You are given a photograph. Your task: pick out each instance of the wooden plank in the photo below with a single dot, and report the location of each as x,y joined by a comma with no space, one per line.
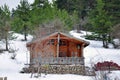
58,44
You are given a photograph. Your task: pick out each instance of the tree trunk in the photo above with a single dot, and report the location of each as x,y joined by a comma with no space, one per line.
25,33
6,40
105,41
109,38
106,44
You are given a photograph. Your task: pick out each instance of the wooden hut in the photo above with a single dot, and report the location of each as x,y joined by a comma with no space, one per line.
57,48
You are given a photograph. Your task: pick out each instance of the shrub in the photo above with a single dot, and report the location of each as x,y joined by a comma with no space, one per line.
93,37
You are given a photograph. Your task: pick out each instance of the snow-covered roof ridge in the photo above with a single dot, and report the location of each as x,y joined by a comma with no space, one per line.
62,33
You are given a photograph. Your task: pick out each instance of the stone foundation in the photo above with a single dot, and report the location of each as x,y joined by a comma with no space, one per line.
58,69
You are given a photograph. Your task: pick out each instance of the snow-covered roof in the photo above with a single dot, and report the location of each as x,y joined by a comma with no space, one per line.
86,43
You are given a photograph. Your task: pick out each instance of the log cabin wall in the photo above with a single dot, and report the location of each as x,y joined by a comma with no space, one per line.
66,49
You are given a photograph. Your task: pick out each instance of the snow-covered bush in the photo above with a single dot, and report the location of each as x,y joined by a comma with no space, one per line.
13,56
13,50
116,43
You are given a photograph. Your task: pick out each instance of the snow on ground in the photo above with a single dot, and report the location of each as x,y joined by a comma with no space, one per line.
93,53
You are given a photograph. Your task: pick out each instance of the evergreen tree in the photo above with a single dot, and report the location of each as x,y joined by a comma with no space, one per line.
49,12
21,18
113,9
40,12
4,23
79,6
101,21
39,3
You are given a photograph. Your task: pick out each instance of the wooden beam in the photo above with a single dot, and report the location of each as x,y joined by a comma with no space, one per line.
58,41
82,47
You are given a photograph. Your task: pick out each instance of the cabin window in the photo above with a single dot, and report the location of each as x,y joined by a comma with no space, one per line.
78,46
51,42
62,43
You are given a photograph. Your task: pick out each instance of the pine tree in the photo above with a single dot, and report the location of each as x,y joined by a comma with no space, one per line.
70,6
4,23
49,12
113,9
21,18
101,21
